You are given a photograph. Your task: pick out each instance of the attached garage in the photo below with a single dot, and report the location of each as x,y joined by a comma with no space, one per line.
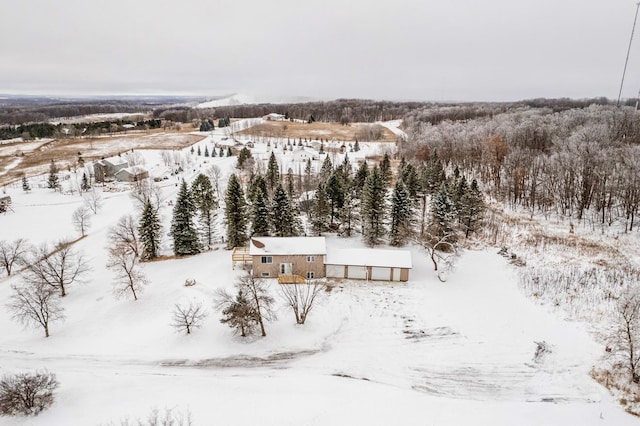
369,264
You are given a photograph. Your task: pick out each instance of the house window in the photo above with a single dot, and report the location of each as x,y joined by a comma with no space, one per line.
265,274
266,259
311,259
310,275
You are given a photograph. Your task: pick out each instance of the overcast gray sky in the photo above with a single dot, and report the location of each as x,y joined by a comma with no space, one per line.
402,49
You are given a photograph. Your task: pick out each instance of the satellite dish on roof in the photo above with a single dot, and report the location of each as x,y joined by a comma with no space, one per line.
257,243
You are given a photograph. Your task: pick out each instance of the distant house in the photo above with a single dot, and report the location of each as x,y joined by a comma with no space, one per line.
276,256
107,168
131,174
369,264
274,117
304,154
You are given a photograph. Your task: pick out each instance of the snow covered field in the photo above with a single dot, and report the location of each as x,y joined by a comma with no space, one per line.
422,352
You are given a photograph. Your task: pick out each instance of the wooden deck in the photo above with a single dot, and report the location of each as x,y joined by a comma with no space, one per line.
240,255
291,279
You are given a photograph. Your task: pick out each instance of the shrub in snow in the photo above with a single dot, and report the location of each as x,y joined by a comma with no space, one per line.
26,393
169,417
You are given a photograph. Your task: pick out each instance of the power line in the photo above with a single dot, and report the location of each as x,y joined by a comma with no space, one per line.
626,61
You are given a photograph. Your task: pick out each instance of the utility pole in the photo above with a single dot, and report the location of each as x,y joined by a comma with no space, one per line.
626,61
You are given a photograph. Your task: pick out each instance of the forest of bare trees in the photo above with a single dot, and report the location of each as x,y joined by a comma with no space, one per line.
579,163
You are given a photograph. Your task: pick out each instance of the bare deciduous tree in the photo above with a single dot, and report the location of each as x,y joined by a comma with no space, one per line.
125,233
214,173
626,338
442,253
300,297
13,253
93,201
35,304
186,317
27,393
129,278
57,269
81,220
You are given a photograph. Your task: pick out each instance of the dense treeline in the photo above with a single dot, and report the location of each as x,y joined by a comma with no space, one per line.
16,111
48,130
580,163
341,110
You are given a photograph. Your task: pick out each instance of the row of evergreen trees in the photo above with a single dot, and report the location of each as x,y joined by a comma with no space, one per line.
420,200
192,224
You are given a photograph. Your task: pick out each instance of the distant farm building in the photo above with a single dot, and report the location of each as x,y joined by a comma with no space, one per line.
274,117
132,174
107,168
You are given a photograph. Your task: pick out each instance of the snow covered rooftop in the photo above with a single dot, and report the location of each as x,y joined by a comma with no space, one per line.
287,245
116,161
370,257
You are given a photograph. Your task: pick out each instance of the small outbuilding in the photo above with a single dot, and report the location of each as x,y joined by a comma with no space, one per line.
369,264
132,174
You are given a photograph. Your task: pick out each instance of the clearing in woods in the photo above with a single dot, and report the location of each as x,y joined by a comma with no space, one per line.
318,130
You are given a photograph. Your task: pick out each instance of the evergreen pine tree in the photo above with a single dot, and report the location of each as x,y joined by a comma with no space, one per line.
229,153
290,188
235,214
320,213
472,208
199,151
411,181
400,216
326,170
442,216
373,207
213,151
206,151
307,176
335,193
183,230
385,169
206,205
259,214
25,184
221,153
273,173
256,183
192,150
459,192
245,154
150,231
360,178
356,146
84,185
284,220
52,181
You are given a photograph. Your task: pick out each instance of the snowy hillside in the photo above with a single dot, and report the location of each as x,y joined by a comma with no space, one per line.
371,353
246,99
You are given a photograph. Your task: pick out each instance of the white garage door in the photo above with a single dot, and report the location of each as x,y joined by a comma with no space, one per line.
380,274
335,271
357,272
